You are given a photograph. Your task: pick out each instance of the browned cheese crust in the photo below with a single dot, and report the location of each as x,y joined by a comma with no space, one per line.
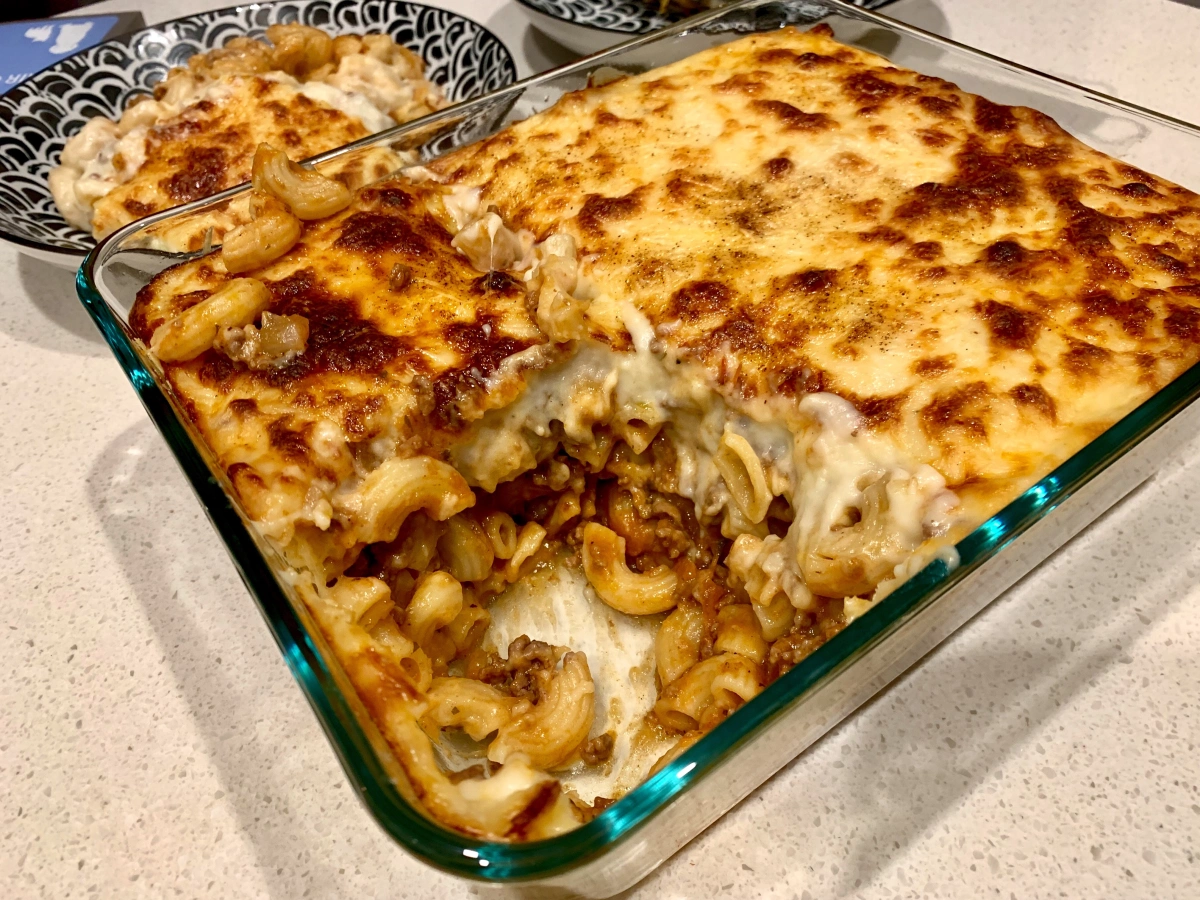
403,359
799,215
211,147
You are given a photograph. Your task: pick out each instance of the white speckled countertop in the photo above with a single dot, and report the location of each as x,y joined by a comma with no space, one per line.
152,743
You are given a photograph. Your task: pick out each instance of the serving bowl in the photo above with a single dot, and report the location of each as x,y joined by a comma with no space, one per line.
589,26
39,115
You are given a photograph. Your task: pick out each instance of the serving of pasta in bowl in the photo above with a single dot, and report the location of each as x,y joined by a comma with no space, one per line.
653,413
172,113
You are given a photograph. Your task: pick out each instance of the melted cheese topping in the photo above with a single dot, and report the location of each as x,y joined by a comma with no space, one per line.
386,373
799,215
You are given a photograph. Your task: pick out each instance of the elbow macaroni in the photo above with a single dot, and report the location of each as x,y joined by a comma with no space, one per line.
625,591
738,632
367,600
775,619
529,541
436,603
502,532
466,549
271,233
307,193
237,302
677,643
478,708
299,49
400,487
744,475
708,691
551,732
466,630
764,568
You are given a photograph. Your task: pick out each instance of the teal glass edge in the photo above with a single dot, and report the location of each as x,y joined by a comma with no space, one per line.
501,862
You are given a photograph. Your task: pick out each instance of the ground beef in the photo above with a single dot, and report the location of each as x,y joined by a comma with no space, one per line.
599,749
529,666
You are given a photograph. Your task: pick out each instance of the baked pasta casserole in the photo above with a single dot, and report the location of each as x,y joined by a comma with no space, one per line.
576,438
304,91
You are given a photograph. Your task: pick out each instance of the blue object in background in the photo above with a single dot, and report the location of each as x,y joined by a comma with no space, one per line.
30,46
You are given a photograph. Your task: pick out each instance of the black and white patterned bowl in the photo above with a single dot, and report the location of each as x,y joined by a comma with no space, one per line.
38,116
589,26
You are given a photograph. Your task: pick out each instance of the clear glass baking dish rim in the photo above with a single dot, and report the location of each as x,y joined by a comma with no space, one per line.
517,862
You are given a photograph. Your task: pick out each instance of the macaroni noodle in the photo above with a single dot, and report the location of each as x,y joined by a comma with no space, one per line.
272,232
436,603
677,644
477,708
708,692
237,302
744,475
550,733
306,192
399,488
604,564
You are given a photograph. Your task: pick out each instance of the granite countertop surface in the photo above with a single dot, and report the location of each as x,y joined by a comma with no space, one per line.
153,744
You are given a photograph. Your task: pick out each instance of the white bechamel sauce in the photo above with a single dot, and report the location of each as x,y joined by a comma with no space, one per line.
824,464
822,460
357,106
840,458
461,203
556,604
491,246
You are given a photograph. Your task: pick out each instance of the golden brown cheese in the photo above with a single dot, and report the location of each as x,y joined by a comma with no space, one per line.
211,145
399,360
799,215
303,90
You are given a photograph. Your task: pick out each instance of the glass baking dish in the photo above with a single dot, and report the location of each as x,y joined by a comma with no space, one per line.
648,825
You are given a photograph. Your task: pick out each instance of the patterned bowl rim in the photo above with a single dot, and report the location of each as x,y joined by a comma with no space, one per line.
26,88
651,21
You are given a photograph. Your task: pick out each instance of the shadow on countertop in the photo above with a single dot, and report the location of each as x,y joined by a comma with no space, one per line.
52,299
280,778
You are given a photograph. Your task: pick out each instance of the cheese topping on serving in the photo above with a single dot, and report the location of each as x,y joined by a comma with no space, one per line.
800,215
198,134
